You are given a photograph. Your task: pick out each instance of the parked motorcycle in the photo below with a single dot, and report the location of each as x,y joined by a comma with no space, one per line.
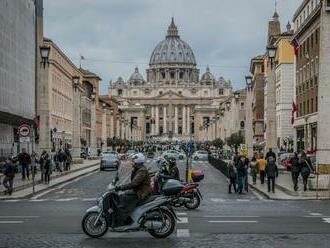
155,216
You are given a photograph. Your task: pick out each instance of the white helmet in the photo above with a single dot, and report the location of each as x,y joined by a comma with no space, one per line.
139,158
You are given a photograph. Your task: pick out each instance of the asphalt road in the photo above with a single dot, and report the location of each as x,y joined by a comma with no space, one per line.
53,219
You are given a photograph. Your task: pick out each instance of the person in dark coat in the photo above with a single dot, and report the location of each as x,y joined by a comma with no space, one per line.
295,170
9,172
68,159
241,173
47,170
270,153
305,167
25,160
232,174
272,173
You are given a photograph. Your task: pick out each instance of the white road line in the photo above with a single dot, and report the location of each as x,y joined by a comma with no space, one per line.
37,200
183,220
88,199
326,220
315,214
182,233
11,222
233,216
233,221
217,200
181,214
243,200
66,199
12,200
18,217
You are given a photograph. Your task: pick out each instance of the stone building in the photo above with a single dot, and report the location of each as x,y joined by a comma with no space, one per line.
173,101
17,72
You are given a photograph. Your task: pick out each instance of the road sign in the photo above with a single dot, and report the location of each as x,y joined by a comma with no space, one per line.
24,130
24,139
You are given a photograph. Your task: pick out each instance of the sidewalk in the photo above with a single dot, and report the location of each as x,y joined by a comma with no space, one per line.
284,189
24,188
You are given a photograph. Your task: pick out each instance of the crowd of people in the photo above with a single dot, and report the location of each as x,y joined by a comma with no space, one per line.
266,167
27,164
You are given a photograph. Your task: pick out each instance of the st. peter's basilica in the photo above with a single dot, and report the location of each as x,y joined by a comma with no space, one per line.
173,101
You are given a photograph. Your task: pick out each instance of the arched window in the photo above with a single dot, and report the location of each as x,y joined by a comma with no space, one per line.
242,124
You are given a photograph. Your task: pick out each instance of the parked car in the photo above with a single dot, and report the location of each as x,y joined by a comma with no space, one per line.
200,155
109,161
174,154
109,152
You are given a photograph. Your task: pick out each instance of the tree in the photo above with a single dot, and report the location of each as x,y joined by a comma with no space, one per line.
218,143
235,140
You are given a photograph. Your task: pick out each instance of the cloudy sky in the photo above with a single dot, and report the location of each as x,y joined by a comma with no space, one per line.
116,35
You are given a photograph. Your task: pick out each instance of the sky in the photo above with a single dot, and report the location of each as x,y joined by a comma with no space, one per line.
115,36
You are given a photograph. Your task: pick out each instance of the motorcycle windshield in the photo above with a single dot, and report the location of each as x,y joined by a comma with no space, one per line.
124,173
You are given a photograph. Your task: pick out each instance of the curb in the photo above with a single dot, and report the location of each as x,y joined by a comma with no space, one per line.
53,185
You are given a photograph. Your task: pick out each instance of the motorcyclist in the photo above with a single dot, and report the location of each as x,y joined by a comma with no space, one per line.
138,190
172,170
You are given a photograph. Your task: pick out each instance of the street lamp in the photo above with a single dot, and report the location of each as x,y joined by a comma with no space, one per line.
248,80
44,52
236,95
271,52
93,95
75,82
104,106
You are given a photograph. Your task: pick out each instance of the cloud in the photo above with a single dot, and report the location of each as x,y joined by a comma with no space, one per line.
224,34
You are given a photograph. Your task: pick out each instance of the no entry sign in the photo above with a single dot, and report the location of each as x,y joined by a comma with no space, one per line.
24,130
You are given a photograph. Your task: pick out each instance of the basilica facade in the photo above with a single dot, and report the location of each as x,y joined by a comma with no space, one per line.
173,102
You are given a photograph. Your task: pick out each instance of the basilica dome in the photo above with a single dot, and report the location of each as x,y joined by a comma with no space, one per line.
172,50
136,76
208,76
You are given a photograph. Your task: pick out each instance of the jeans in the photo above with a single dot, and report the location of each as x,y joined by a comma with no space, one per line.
25,170
232,182
8,182
271,180
295,176
305,180
262,176
254,176
241,183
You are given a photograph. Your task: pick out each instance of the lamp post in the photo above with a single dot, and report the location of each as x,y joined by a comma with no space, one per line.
44,52
271,52
75,82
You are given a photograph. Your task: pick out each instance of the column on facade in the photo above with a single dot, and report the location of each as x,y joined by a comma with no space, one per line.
164,119
118,133
176,120
188,120
157,120
111,120
76,134
93,129
104,130
184,131
152,120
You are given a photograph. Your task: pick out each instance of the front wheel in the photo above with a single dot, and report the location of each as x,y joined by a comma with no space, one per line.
167,218
93,228
194,203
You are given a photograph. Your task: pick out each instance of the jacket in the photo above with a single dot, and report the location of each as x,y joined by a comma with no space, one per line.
261,164
295,168
231,172
305,167
271,169
270,154
24,158
241,168
140,183
9,169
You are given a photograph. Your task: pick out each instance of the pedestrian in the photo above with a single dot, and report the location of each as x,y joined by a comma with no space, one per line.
47,168
261,168
270,153
24,160
61,157
305,167
295,171
42,161
254,169
232,176
9,172
68,159
272,172
34,161
236,158
241,173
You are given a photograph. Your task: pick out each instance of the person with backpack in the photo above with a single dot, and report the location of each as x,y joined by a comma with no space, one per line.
271,172
232,174
305,167
9,172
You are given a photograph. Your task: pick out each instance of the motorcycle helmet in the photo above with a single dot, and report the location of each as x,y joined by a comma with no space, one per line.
138,158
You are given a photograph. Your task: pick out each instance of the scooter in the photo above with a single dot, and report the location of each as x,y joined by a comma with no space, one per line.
155,216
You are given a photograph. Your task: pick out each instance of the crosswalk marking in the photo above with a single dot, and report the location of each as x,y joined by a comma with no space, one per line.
183,220
11,222
66,199
18,217
183,233
233,221
181,214
326,220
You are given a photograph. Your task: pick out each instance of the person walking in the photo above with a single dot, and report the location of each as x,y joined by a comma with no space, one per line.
254,169
241,173
232,175
34,161
305,167
261,168
24,160
295,171
272,172
9,172
42,161
68,159
47,169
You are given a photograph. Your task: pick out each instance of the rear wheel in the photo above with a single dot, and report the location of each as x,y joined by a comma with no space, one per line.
196,158
168,226
91,227
194,203
181,157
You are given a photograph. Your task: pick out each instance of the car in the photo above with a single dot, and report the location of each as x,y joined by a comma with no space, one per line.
173,154
109,161
109,152
200,155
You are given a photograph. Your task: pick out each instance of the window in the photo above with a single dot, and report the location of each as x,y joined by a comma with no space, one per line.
328,5
242,124
120,92
312,105
205,92
316,36
316,104
220,91
160,92
304,108
172,75
180,92
242,105
181,75
307,107
163,75
134,93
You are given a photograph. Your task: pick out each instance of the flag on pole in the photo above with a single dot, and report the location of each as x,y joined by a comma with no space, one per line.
293,110
37,121
296,46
